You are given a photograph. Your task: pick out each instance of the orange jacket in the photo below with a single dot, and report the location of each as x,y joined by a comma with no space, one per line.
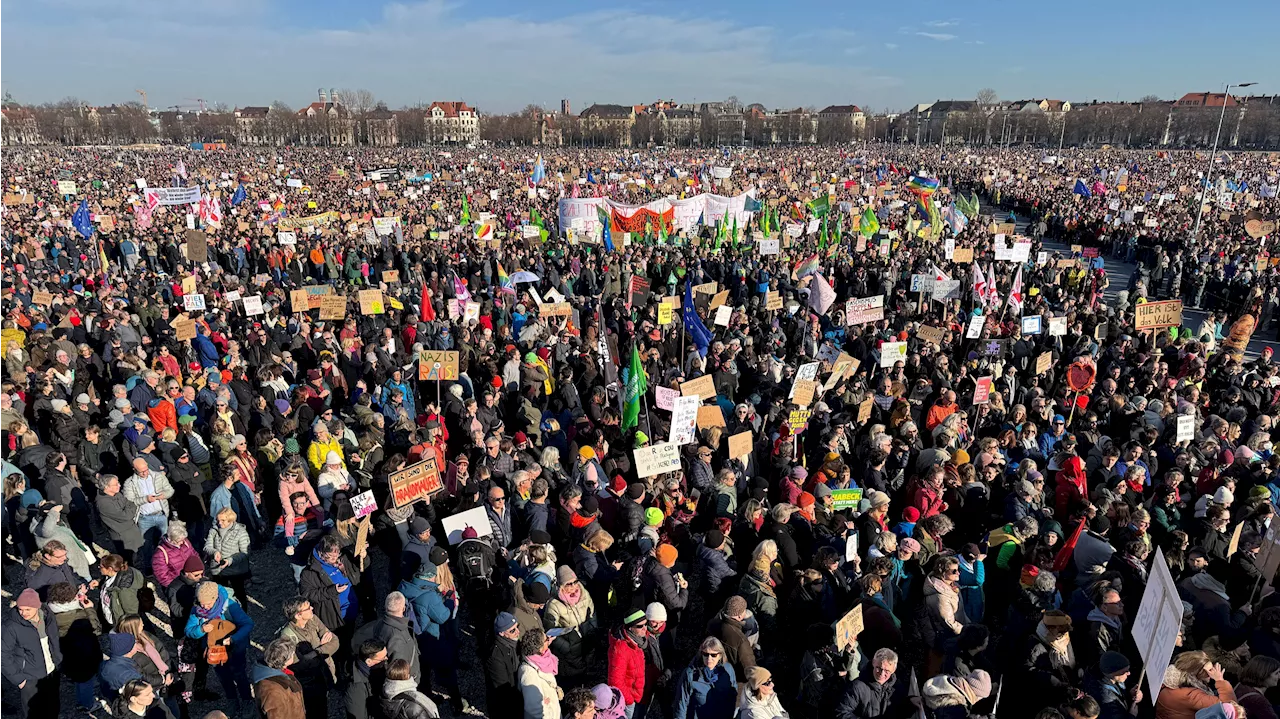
163,415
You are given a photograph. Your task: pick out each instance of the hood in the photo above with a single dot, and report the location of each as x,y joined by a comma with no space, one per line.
416,587
1001,535
119,643
260,672
64,607
935,585
392,687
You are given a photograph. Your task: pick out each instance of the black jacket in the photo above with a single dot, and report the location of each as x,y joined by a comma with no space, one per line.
396,633
659,585
364,695
22,655
315,585
501,670
868,699
403,706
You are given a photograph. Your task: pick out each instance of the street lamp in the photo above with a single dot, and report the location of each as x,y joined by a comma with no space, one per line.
1204,189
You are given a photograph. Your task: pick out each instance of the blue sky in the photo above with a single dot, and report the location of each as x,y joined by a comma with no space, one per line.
500,55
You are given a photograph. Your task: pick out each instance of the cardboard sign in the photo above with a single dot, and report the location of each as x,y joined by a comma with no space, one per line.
710,416
741,444
719,299
802,392
657,459
848,628
1057,326
861,310
1043,362
390,276
184,328
46,298
706,288
1158,315
556,309
371,302
799,420
704,387
415,482
931,334
66,187
437,365
299,300
364,504
197,246
189,284
962,255
982,392
773,301
333,307
864,410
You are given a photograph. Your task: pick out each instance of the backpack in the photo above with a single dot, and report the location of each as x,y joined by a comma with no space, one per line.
474,563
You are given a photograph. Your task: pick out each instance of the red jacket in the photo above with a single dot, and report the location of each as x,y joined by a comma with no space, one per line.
926,499
626,666
1073,489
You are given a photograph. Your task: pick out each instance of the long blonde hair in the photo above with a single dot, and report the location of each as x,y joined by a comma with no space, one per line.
444,578
132,624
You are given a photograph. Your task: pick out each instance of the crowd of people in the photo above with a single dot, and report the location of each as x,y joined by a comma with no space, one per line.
950,501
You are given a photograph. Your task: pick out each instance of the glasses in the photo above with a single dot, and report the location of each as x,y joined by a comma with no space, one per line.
495,500
711,654
768,683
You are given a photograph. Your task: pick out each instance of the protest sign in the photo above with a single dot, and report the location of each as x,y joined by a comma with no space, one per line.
171,195
861,310
657,459
252,305
666,397
769,247
723,314
197,246
799,420
684,419
364,504
710,416
945,290
845,498
891,353
46,299
962,255
982,390
1043,362
66,187
437,365
556,309
184,328
931,334
740,444
974,330
719,299
474,518
773,300
1186,428
391,276
665,312
193,302
704,387
1057,326
415,482
802,392
333,307
1155,626
371,302
848,628
1031,324
864,410
299,300
189,284
1158,315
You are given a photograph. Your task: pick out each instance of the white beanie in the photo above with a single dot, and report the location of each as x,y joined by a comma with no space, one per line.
1223,496
655,612
332,458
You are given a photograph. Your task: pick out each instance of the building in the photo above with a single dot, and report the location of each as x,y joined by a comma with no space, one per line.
327,122
939,121
799,127
381,128
678,125
251,125
1205,99
453,122
723,123
608,124
1053,108
850,116
18,126
564,108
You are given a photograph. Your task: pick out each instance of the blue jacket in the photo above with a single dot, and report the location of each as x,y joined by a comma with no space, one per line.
406,389
972,595
206,350
715,566
428,604
706,693
232,612
118,669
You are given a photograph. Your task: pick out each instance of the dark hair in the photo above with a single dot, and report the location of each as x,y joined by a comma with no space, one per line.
399,669
291,607
62,592
1085,706
369,648
114,562
577,700
1259,669
531,642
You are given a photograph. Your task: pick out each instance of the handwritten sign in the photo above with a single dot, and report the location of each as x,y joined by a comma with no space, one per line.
184,328
666,397
437,365
719,299
962,255
684,419
740,444
333,307
299,300
1043,362
364,504
848,628
415,482
657,459
193,302
556,309
46,298
982,391
710,416
665,312
704,387
1158,315
1031,324
371,302
798,420
863,309
931,334
1186,428
864,410
892,353
773,301
802,392
1057,326
390,276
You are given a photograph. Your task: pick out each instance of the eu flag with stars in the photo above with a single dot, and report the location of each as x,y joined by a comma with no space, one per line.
80,220
693,323
237,198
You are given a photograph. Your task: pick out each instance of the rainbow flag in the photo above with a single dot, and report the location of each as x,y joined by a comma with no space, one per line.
807,267
923,186
505,285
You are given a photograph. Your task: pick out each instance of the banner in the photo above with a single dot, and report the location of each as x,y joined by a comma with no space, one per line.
171,196
678,214
323,219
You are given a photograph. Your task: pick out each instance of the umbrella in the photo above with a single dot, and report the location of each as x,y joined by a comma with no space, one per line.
525,276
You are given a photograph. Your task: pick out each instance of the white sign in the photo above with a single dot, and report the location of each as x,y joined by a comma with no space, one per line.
949,247
922,283
287,238
456,524
1155,627
192,302
294,182
253,305
891,353
684,420
1186,428
171,195
385,225
364,504
1031,324
795,229
946,290
721,173
974,331
141,183
1021,251
1057,326
232,296
666,397
723,313
657,459
769,247
861,310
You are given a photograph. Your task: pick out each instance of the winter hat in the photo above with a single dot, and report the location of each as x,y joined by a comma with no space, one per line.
960,457
521,438
799,473
911,515
877,498
282,405
618,484
805,500
634,618
191,419
417,524
426,570
119,643
758,676
1243,452
1029,574
909,545
332,458
609,701
1226,457
654,517
1223,496
537,593
470,533
714,539
291,446
58,404
193,564
1259,492
504,622
30,600
667,555
587,453
821,489
237,441
975,687
1112,663
566,575
540,536
438,556
655,612
31,498
635,490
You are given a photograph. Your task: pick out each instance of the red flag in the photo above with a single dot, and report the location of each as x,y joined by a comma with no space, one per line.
428,312
1064,554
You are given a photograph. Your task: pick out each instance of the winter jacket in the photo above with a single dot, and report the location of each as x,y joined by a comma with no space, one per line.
47,575
231,612
944,616
738,651
78,630
706,693
396,633
402,700
574,646
626,665
278,694
865,698
122,592
538,688
761,599
314,584
1177,701
502,679
315,665
169,558
428,605
659,585
23,655
715,568
120,517
233,544
134,492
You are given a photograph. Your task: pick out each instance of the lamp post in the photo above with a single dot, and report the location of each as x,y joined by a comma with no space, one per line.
1208,173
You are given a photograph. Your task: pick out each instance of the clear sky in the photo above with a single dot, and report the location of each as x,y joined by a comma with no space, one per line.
500,55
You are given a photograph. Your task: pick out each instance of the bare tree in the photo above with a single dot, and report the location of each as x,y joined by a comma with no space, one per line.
987,97
1149,99
358,101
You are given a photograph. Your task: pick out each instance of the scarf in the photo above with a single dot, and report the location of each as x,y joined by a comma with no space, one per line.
1062,653
1097,615
1203,580
547,663
214,612
570,595
152,653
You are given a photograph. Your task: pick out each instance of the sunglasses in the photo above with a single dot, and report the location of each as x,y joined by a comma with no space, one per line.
711,654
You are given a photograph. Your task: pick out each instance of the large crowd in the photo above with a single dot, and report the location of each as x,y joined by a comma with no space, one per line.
893,446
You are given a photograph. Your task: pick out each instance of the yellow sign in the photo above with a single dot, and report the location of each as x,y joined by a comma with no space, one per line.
664,314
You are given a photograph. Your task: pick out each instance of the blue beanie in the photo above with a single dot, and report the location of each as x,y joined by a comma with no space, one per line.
31,498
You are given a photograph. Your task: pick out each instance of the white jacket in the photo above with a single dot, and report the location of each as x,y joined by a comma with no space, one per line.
541,698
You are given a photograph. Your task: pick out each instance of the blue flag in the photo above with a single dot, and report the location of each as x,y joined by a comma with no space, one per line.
539,173
606,235
237,198
591,179
1082,189
693,323
80,220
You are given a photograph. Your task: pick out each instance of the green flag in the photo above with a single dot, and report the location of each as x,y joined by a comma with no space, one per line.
637,385
870,225
819,206
822,239
466,212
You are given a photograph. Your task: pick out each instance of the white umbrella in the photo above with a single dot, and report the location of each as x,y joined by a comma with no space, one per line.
525,276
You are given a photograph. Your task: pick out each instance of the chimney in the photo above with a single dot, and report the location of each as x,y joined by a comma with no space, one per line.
333,96
323,99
